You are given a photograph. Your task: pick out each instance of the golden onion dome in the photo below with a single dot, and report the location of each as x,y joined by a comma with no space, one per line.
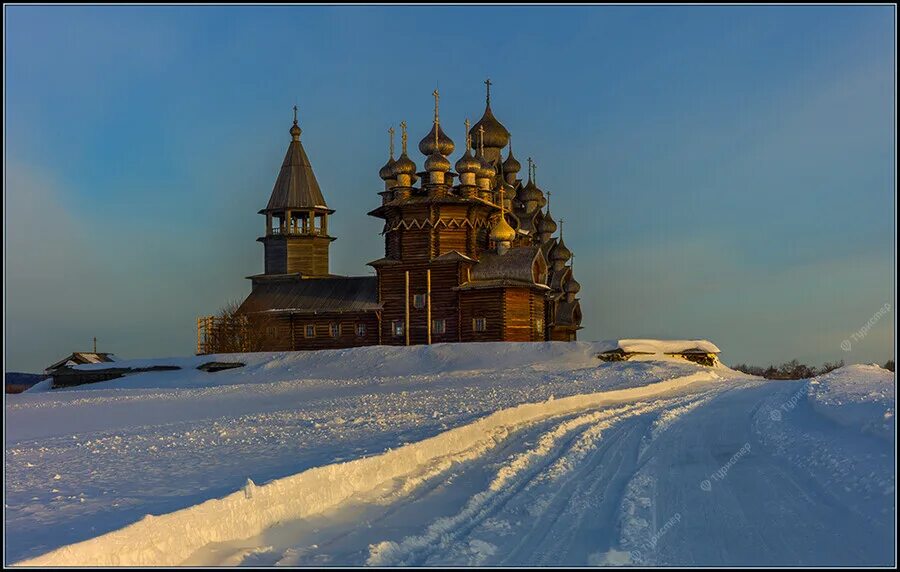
559,252
467,163
485,169
495,134
547,224
404,166
387,172
572,286
295,131
444,145
502,231
437,162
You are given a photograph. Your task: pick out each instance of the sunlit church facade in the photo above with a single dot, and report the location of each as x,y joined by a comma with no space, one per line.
471,253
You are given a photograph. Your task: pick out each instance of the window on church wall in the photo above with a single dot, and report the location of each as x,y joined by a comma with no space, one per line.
397,328
334,330
479,324
418,301
360,330
539,325
439,326
309,331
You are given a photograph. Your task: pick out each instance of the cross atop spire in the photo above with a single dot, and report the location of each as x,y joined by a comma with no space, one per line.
561,221
548,193
468,136
437,121
530,166
481,139
403,136
487,82
437,96
534,168
391,131
295,129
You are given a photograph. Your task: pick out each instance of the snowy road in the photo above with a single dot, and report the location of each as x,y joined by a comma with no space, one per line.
558,461
700,480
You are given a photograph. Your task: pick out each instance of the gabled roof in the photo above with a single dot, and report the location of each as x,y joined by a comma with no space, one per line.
79,358
453,256
314,295
296,186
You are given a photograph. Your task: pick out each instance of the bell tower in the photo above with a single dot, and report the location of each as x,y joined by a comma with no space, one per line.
296,239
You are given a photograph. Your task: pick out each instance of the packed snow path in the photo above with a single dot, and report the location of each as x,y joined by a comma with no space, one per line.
689,480
706,468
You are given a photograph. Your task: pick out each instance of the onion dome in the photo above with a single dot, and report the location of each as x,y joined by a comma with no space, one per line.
495,134
387,172
485,169
467,163
572,286
404,166
437,162
530,192
559,252
444,144
547,224
502,231
511,165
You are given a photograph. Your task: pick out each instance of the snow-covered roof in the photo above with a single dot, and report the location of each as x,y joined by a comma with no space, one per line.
78,358
647,346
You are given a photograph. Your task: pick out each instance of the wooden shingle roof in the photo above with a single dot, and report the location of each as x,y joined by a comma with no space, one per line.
314,295
519,266
296,186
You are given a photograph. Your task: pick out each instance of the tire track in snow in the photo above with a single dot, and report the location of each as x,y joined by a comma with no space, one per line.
557,452
567,533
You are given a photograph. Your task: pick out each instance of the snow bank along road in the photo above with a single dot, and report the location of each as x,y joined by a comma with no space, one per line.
642,462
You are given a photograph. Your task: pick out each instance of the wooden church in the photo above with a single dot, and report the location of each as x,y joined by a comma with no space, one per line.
470,254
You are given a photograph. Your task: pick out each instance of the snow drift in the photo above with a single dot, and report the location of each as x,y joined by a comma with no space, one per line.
858,396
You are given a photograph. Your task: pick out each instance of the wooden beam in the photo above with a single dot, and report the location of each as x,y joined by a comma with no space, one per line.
428,301
406,310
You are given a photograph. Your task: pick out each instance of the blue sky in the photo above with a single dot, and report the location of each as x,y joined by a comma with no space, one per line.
725,172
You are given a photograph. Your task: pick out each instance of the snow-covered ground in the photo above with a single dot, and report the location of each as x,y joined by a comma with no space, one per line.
452,454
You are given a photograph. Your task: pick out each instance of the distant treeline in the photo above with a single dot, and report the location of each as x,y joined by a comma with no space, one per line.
17,382
795,370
